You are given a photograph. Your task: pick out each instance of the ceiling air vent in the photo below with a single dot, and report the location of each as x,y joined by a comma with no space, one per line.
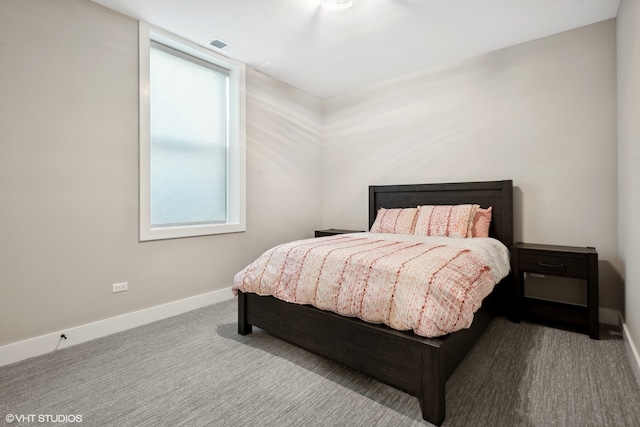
217,43
222,46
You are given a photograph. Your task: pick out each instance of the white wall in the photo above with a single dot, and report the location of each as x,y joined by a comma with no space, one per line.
541,113
629,158
69,175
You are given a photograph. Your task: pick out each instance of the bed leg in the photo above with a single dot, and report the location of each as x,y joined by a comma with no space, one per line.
433,386
244,327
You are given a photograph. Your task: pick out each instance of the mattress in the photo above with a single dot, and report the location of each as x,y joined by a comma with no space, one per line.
429,285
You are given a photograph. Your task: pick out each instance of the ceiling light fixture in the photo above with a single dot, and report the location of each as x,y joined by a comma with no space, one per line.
338,4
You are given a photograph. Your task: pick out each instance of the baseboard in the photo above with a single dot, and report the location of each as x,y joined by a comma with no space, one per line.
43,344
632,352
614,317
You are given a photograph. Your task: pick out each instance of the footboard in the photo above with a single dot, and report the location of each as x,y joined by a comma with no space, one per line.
403,360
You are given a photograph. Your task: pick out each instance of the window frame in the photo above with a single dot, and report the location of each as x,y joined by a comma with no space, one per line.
236,146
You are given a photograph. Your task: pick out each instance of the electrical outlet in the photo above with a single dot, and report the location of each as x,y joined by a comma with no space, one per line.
120,287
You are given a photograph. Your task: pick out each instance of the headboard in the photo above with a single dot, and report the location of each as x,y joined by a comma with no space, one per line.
498,194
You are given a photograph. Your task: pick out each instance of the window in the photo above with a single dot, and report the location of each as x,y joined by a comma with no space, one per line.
191,139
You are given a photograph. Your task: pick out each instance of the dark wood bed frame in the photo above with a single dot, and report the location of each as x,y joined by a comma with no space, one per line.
414,364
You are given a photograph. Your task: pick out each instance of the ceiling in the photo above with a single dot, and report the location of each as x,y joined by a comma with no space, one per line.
330,52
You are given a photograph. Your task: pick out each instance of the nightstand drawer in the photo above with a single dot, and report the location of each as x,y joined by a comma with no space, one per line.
573,265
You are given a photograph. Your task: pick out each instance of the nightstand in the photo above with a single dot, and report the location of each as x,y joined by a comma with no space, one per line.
567,261
334,231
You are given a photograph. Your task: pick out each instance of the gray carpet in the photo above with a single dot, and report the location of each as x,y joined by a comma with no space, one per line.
195,370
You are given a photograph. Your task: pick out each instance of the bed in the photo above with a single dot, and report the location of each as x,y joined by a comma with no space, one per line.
412,363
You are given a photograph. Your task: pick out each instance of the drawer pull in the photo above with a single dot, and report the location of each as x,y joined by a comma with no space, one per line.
542,264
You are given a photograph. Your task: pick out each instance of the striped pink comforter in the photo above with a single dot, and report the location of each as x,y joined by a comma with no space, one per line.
429,285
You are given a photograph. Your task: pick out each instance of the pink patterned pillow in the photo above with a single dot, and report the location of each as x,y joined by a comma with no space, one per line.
400,221
481,222
445,220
